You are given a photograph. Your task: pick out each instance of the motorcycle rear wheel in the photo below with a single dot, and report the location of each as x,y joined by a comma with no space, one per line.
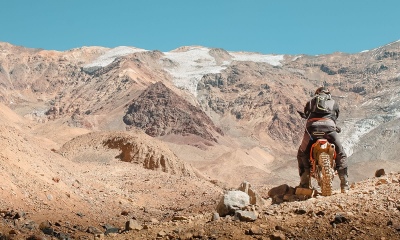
327,174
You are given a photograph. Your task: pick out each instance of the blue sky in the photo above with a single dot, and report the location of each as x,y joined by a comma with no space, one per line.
266,26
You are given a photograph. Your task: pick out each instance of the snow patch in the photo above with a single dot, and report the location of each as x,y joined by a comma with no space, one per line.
190,64
373,101
109,57
274,60
190,67
355,130
296,57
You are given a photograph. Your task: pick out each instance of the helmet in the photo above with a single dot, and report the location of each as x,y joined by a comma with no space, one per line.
322,89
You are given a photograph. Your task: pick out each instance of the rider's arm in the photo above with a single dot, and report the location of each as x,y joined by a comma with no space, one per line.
307,108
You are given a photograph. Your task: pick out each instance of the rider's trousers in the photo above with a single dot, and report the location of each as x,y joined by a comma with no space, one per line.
331,135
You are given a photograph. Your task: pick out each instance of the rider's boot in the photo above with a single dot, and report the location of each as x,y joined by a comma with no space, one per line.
305,179
344,184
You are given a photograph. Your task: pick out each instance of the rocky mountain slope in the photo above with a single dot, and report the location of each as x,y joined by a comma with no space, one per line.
159,112
251,99
126,133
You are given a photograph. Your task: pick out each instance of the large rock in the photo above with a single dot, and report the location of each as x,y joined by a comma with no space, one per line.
278,191
255,198
285,193
232,201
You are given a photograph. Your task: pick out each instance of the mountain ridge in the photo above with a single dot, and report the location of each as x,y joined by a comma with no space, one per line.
251,95
247,129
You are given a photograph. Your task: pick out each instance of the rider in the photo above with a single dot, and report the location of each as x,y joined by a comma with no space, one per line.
324,122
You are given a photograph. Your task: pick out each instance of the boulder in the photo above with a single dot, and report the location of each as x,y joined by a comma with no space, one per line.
232,201
255,198
278,191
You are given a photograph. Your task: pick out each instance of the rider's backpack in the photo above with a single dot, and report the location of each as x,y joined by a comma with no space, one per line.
322,103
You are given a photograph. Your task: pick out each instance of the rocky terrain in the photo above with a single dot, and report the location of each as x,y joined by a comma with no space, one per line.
94,138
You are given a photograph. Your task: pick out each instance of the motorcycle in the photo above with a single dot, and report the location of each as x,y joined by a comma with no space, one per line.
322,160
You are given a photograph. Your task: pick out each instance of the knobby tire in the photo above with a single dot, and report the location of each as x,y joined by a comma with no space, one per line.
327,174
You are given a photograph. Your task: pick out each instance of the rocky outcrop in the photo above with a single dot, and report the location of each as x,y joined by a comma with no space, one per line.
137,148
158,111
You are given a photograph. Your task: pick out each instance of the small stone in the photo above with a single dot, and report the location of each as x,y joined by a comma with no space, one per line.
61,235
254,230
45,226
277,236
110,229
47,230
246,216
124,213
380,172
280,228
381,181
93,230
320,213
19,215
132,224
179,218
99,236
80,214
340,219
300,211
215,216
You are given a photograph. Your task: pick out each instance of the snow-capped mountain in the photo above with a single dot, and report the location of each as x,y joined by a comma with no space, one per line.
251,97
